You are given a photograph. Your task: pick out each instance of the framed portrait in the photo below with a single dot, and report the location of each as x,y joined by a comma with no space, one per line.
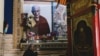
45,9
37,17
53,18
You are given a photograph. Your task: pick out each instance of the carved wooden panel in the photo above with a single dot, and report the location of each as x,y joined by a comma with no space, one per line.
80,5
17,30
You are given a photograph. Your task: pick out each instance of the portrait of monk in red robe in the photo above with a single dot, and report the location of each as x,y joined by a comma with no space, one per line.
41,26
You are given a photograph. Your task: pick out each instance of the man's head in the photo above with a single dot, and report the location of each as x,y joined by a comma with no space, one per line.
36,11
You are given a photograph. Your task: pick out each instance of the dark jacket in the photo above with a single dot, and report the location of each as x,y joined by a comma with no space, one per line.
30,53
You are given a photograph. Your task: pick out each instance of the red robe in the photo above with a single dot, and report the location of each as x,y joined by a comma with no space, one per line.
41,26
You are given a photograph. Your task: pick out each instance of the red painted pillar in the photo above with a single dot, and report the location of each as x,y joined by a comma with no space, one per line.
97,30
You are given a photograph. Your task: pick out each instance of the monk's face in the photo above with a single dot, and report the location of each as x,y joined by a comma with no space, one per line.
36,12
